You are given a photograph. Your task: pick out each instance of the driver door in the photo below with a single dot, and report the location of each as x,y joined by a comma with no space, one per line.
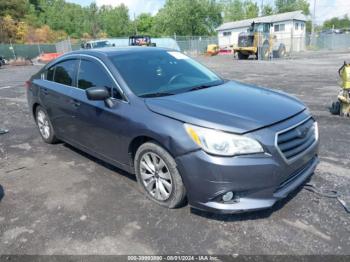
98,127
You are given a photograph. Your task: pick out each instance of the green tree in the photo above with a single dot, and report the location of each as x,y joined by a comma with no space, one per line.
283,6
92,26
115,21
337,23
267,10
251,9
143,24
188,17
233,11
60,15
14,8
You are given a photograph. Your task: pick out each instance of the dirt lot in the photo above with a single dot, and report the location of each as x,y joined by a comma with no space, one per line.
61,201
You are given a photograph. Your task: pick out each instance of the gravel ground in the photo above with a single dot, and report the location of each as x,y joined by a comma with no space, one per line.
59,200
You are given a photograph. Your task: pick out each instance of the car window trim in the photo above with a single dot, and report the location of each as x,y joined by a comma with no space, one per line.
78,56
108,75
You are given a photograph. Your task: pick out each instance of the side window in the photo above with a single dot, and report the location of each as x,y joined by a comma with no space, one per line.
65,72
91,75
279,27
296,26
50,73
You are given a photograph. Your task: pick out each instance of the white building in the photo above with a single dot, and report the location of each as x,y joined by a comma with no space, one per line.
289,29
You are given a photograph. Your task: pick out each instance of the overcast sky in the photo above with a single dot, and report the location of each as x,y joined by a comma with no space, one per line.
324,8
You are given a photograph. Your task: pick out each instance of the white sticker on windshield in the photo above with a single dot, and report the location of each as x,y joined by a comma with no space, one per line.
178,55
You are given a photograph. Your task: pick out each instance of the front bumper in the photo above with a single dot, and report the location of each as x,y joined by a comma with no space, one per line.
257,181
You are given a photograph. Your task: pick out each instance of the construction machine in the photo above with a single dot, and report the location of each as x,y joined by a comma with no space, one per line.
140,40
260,42
342,106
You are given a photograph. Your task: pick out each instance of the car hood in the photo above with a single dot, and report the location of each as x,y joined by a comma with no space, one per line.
233,107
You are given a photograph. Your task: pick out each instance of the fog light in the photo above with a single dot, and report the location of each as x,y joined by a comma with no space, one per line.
227,197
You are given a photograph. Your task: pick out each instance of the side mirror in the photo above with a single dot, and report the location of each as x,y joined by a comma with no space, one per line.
97,93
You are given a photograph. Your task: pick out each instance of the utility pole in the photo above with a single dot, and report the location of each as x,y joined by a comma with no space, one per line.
262,8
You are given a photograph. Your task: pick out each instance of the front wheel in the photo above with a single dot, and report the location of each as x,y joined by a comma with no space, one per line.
158,176
281,52
265,52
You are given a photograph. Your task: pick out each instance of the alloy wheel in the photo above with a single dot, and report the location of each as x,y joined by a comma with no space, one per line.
156,176
43,124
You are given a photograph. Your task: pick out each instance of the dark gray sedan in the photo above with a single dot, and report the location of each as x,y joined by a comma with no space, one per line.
185,132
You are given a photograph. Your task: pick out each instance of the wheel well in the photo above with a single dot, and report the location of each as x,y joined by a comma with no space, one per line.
34,109
135,144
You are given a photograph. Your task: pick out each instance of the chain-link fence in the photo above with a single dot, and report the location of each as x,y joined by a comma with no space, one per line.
25,51
194,46
190,45
328,41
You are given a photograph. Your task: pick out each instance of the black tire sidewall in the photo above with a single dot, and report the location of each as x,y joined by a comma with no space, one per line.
52,138
178,193
281,52
265,52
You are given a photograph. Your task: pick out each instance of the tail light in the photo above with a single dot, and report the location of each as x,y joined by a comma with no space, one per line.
28,84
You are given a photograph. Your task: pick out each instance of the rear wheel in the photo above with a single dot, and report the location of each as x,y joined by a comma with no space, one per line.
158,176
44,125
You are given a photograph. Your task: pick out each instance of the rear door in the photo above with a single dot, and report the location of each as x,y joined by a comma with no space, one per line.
98,127
55,91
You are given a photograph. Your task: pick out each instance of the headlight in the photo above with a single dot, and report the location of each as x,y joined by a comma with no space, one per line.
221,143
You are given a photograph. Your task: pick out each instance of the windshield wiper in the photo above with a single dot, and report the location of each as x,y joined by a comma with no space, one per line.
204,86
159,94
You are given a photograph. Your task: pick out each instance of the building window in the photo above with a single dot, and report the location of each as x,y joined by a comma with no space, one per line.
296,26
302,26
226,33
279,27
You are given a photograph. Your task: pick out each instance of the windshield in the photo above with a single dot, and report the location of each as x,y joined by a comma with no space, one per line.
160,72
101,44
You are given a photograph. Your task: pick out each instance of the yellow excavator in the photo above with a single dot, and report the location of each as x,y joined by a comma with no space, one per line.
260,42
342,106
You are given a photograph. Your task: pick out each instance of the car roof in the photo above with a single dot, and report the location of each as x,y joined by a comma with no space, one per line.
106,52
113,51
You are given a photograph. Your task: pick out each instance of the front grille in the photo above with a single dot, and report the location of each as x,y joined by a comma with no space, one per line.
298,139
295,175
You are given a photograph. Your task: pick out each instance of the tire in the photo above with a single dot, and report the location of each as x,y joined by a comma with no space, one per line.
265,53
156,178
281,52
44,125
242,56
335,108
